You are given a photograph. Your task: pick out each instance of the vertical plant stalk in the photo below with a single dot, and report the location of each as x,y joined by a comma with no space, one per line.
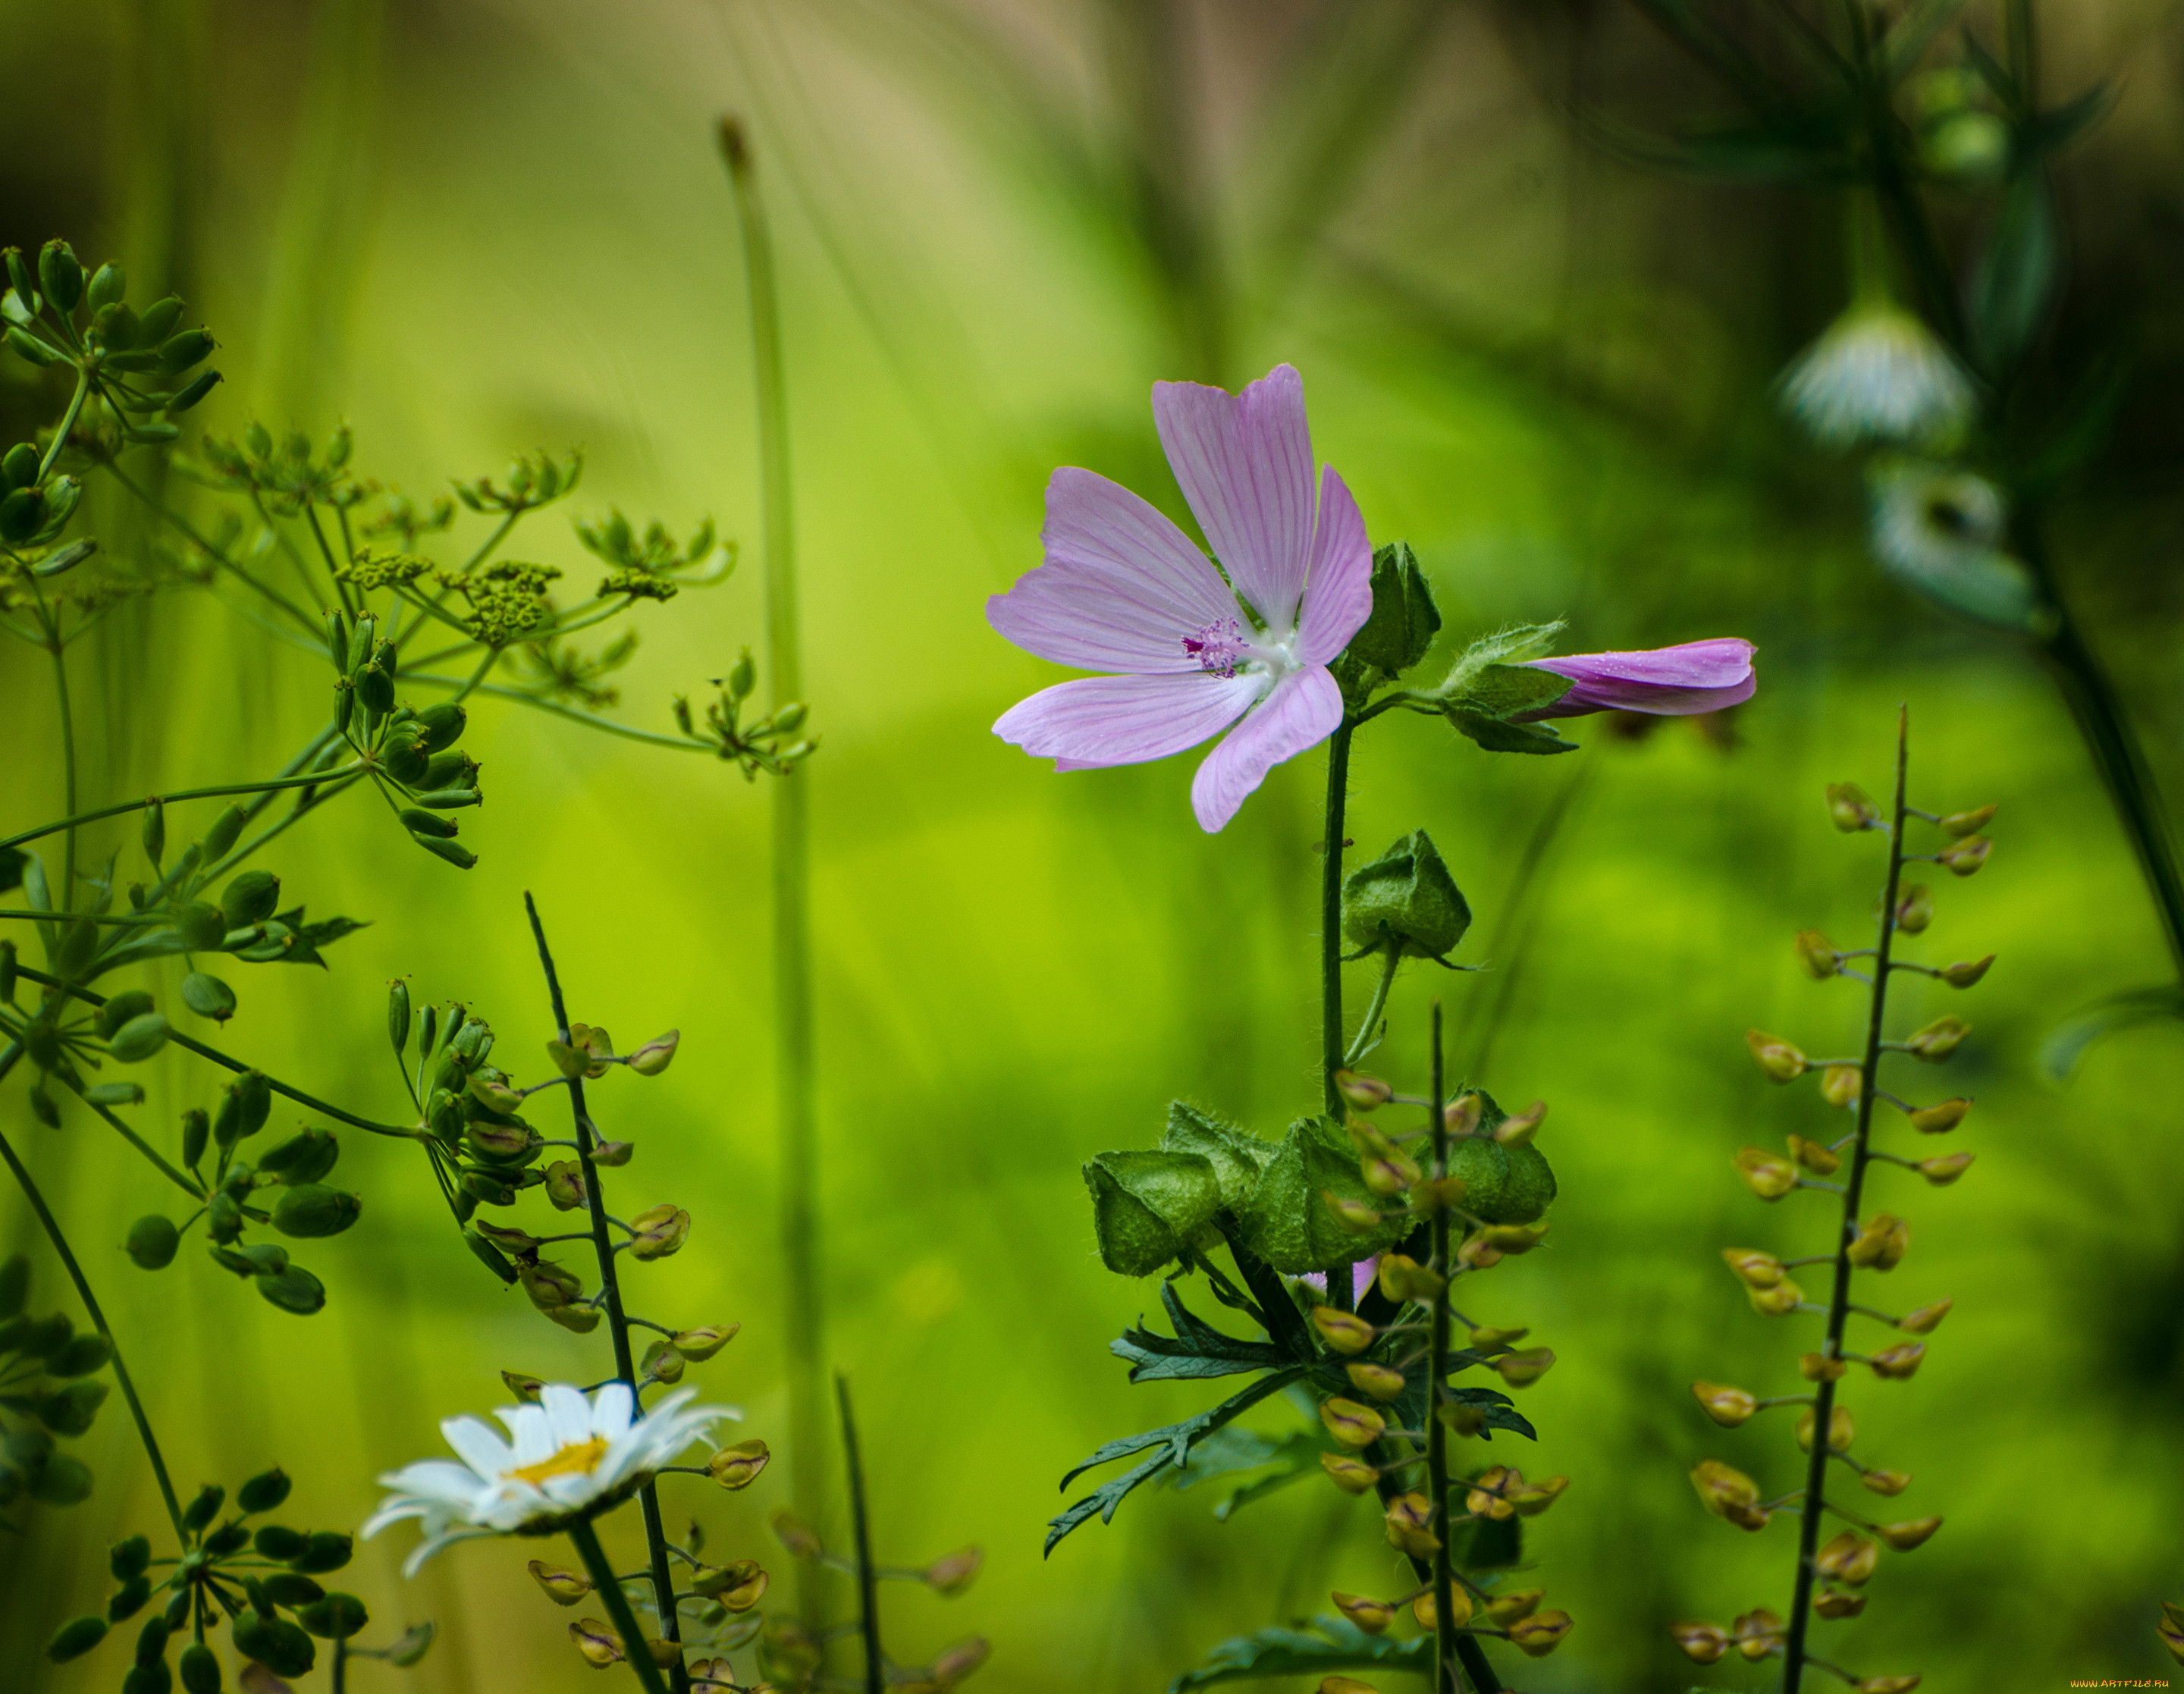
634,1652
655,1532
1823,1400
795,1070
121,1377
64,896
1447,1679
868,1576
1334,1044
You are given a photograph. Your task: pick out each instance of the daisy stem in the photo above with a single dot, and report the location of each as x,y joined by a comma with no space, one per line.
655,1532
608,1586
1794,1657
868,1576
795,1066
91,1307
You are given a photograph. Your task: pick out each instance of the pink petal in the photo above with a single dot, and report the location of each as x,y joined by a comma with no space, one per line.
1304,708
1695,676
1121,588
1338,595
1100,721
1243,462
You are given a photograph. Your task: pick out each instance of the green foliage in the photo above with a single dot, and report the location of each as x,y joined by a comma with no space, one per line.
1329,1646
1406,902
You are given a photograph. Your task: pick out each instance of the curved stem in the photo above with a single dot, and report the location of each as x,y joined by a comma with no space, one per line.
635,1652
656,1532
1839,1304
121,1377
67,423
1379,1003
868,1576
268,786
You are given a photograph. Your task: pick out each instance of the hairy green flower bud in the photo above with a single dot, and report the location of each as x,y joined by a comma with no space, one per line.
152,1242
1406,899
1147,1206
1405,619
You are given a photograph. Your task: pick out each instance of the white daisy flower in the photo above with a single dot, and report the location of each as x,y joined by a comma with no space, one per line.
566,1460
1941,531
1877,373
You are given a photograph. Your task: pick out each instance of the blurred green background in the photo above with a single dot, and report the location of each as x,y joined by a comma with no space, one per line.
475,226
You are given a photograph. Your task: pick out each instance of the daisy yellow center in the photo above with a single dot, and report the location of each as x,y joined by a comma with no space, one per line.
580,1460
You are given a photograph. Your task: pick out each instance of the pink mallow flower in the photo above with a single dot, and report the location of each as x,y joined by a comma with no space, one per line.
1189,654
1667,682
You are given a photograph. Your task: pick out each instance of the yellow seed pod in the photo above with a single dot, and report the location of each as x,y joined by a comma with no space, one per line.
1785,1297
1409,1521
1506,1609
1882,1241
1942,1171
1905,1536
1939,1120
1352,1215
1914,909
1351,1423
1523,1369
1702,1643
1344,1684
1849,809
1849,1559
1757,1633
1540,1634
1898,1363
1926,1319
1884,1685
1938,1039
1390,1176
1767,1176
1366,1093
1513,1239
1462,1417
1486,1341
600,1646
1427,1614
1370,1615
1891,1482
1841,1084
1781,1061
1461,1114
1818,954
1727,1407
1819,1368
1834,1604
1960,824
1375,1379
1490,1491
1723,1490
1964,857
1820,1160
1344,1332
1351,1475
563,1587
1753,1268
1535,1497
1518,1131
1438,1193
1966,971
1404,1278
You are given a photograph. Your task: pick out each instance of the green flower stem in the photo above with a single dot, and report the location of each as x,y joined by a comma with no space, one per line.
53,646
218,554
655,1532
1472,1659
1333,1052
492,658
867,1574
607,725
1379,1003
795,1083
67,424
190,1045
635,1652
121,1377
194,1189
76,817
1839,1303
1446,1679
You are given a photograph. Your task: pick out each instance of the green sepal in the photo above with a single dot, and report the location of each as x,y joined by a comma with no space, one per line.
1147,1206
1236,1155
1408,900
1404,621
1286,1220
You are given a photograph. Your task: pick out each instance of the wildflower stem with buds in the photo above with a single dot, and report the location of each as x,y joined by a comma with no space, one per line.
608,1585
1447,1679
868,1576
655,1532
1839,1300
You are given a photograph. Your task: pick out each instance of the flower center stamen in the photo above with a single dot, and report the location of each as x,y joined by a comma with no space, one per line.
1219,648
582,1459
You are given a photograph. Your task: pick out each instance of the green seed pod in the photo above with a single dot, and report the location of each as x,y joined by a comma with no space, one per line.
202,928
488,1187
129,1600
444,724
225,831
222,1218
157,322
405,755
398,1016
130,1558
375,681
30,349
152,1642
70,1410
254,1097
63,1481
152,1242
79,947
204,1508
335,1617
18,273
115,1094
305,1157
18,467
742,676
180,352
195,392
114,326
207,996
338,641
155,832
275,1642
310,1210
200,1670
14,1284
291,1589
1406,900
428,1030
140,1038
790,718
197,1130
250,899
426,823
453,852
279,1543
450,771
60,277
489,1255
75,1638
264,1492
117,1011
81,1357
448,799
108,283
324,1550
295,1289
344,704
23,513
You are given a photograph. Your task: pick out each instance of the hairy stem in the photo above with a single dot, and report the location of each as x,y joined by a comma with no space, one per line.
1333,1052
1447,1679
868,1576
795,1068
1839,1302
656,1532
1375,1006
609,1587
121,1377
